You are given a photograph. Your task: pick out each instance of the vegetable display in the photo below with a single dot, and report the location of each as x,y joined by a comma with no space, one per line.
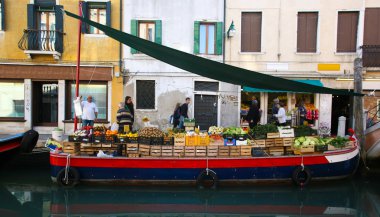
150,132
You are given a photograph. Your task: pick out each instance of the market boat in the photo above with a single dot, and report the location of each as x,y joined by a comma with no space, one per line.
69,170
11,146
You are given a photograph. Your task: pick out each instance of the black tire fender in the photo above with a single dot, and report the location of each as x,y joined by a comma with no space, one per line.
29,141
206,175
301,176
72,177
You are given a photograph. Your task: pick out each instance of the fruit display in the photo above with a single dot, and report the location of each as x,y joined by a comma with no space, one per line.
81,133
234,131
150,132
111,132
100,128
215,130
130,134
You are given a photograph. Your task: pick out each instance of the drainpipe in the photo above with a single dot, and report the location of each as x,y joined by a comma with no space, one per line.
224,31
120,44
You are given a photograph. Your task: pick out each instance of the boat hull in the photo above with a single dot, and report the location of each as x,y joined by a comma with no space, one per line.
10,147
333,165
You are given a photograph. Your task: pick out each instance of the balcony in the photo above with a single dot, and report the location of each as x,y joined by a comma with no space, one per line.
371,55
42,42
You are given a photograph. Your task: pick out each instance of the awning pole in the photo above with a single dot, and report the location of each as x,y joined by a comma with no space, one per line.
78,63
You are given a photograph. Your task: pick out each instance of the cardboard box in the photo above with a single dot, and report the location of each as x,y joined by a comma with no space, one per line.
192,140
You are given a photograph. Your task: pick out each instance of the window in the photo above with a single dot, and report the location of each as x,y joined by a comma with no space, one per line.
98,91
145,94
2,15
372,26
206,86
148,30
46,27
347,31
307,32
99,12
251,31
208,38
12,100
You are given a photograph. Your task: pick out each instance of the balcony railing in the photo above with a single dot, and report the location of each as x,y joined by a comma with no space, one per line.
41,40
371,55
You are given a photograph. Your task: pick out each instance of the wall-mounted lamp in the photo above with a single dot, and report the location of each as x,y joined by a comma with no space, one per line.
231,30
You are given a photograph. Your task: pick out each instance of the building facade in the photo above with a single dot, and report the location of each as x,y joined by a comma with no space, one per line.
310,41
38,56
192,26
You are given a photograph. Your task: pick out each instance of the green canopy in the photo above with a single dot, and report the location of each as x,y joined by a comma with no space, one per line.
208,68
311,82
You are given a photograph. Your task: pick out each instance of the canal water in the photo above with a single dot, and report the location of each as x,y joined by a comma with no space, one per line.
30,192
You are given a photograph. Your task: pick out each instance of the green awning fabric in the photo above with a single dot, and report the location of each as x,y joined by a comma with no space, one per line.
311,82
208,68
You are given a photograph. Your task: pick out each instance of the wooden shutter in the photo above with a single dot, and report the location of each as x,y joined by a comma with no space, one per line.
219,38
158,32
372,26
2,15
108,13
134,30
85,15
347,31
32,25
196,37
251,31
307,32
59,28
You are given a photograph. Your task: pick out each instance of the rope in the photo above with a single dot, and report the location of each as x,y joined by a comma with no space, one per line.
207,169
66,179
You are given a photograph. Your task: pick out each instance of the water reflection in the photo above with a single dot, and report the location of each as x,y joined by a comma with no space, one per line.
41,198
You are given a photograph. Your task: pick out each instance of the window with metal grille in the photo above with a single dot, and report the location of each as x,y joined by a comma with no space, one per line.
206,86
145,94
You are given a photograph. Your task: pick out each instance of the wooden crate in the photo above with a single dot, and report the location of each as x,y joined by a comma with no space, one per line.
216,140
84,145
276,151
278,142
133,155
167,151
106,145
132,148
178,151
144,150
309,149
288,141
180,141
155,151
270,142
71,147
258,143
234,151
204,140
201,151
224,151
212,151
168,140
273,135
189,151
245,150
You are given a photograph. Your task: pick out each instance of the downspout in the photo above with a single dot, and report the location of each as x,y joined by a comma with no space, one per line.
224,31
120,44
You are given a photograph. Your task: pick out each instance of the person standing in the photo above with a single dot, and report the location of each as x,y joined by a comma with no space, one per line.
176,115
302,112
253,116
281,115
123,118
90,112
129,107
275,109
184,109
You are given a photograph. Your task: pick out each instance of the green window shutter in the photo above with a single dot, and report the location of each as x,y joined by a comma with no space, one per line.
196,37
158,36
219,38
108,13
84,14
2,15
134,32
32,21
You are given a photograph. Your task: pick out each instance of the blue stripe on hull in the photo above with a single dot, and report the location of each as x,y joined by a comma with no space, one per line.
124,174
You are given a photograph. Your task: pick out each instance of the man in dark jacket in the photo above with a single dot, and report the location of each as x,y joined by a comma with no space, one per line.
184,109
253,116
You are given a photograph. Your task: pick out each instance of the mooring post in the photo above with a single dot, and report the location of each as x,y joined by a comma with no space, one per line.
358,106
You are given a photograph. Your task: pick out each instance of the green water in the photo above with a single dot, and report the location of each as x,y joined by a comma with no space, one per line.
29,192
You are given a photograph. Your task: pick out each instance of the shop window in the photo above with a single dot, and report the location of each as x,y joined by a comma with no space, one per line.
145,94
12,100
98,91
149,30
206,86
347,31
251,31
307,32
208,38
309,104
99,12
2,16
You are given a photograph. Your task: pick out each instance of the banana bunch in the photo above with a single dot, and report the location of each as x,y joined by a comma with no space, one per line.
130,134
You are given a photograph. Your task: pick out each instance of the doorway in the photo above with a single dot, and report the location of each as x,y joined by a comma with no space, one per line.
45,103
206,111
341,106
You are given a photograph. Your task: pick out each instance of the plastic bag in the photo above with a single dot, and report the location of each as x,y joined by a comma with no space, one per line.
102,154
77,107
114,126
